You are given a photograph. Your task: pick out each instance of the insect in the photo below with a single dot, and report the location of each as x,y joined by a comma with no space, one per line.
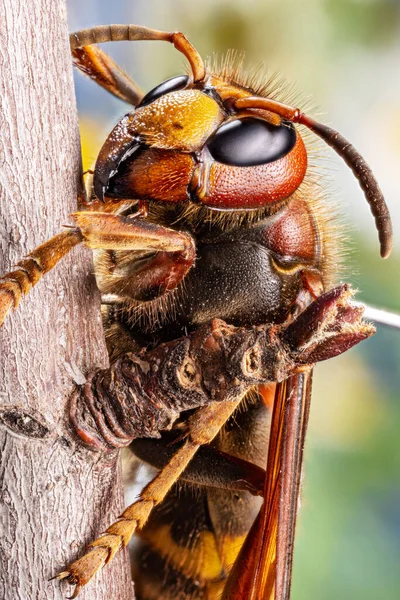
215,258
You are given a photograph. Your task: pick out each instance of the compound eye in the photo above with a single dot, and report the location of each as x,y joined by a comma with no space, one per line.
248,142
171,85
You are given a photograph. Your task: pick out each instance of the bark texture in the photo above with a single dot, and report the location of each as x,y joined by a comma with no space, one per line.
55,496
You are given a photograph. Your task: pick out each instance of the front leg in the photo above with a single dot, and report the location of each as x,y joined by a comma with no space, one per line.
143,394
100,67
97,230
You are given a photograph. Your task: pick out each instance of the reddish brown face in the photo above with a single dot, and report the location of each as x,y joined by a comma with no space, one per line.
185,144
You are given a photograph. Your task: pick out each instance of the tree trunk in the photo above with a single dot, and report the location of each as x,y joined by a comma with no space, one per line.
55,495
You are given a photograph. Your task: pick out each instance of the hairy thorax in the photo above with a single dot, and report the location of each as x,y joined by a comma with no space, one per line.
249,270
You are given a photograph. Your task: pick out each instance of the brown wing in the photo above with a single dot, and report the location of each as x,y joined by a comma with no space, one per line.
263,568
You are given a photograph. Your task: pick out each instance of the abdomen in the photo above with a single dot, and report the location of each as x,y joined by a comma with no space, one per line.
192,539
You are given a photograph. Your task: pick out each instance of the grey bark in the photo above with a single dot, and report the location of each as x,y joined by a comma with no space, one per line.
55,496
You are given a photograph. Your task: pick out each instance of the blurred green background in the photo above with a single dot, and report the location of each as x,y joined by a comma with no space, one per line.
345,54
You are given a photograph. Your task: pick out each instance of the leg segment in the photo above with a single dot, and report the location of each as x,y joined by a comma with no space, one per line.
191,540
202,428
100,67
19,282
152,275
155,276
210,467
111,33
